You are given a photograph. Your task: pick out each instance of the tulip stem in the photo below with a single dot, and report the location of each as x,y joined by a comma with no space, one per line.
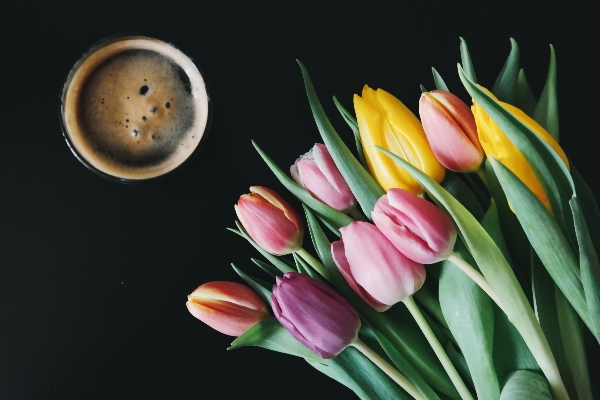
357,215
476,277
481,174
388,369
313,262
438,349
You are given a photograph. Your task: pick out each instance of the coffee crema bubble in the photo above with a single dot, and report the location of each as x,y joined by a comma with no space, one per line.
134,108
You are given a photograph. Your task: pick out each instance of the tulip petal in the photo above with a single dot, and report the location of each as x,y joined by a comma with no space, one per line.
279,202
339,257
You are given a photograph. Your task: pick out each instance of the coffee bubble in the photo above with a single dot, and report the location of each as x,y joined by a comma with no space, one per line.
134,108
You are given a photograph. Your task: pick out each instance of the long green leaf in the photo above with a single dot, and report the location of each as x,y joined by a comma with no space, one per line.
461,192
466,60
470,316
505,87
333,216
362,184
351,121
525,385
262,288
268,268
525,99
497,271
439,81
546,238
546,111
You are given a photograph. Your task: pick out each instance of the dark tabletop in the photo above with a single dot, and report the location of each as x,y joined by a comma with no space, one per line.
94,274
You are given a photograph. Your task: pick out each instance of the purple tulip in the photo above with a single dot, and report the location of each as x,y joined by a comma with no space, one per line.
316,315
420,230
374,268
318,174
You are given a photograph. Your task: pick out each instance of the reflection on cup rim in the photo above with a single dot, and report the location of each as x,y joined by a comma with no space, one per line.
78,139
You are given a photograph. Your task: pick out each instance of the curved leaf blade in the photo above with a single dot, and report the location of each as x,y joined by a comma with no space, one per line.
439,81
525,385
546,111
466,60
505,87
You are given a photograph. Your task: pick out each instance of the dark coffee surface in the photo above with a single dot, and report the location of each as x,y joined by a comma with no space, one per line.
135,108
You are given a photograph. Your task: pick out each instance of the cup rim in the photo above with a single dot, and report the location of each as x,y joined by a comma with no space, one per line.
63,126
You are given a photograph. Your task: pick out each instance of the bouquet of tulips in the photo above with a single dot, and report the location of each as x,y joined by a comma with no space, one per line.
482,201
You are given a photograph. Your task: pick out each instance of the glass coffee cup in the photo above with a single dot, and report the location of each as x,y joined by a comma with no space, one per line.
134,109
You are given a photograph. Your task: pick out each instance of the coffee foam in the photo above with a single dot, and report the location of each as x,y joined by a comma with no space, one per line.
135,108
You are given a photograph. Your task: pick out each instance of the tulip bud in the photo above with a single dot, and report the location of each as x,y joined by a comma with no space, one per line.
451,131
385,122
416,227
496,144
270,221
318,174
227,307
316,315
374,268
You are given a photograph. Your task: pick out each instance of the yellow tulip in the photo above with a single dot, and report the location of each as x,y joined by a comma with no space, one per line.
384,121
496,144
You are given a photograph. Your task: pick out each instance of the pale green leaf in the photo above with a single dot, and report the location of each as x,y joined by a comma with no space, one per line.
466,60
439,81
506,86
351,121
262,288
525,385
546,111
526,101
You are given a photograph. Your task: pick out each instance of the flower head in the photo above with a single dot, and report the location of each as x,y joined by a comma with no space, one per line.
316,315
270,221
227,307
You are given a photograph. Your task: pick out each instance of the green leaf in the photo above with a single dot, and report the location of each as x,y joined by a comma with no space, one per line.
305,268
525,385
363,186
439,81
525,99
545,296
546,111
574,347
588,206
278,263
428,301
262,288
505,87
459,189
466,60
351,121
270,334
268,268
470,316
333,216
496,270
356,372
513,233
589,267
546,238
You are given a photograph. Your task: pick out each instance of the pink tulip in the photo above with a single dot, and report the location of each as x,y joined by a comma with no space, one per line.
318,174
316,315
374,268
270,221
451,131
227,307
420,230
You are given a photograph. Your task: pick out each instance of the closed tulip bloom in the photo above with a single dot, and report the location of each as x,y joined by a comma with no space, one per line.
270,221
227,307
451,131
384,121
318,174
316,315
416,227
497,145
374,268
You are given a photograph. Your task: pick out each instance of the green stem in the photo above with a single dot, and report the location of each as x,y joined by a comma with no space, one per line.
388,369
476,277
357,215
438,349
483,176
313,262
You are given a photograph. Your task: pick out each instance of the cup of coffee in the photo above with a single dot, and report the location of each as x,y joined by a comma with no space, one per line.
134,108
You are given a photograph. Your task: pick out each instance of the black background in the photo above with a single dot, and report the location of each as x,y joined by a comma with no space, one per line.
94,274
